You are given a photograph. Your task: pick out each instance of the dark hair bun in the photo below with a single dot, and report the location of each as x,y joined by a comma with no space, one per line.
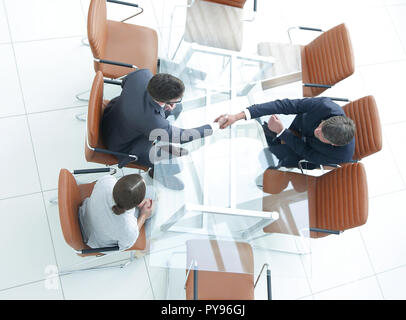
117,210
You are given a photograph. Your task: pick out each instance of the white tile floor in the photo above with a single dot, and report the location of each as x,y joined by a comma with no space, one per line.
43,65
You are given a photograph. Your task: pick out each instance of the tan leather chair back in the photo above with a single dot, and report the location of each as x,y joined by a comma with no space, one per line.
328,59
97,27
339,199
69,201
232,3
94,116
95,109
368,135
223,284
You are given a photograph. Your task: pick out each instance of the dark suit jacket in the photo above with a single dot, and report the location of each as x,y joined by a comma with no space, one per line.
310,112
133,117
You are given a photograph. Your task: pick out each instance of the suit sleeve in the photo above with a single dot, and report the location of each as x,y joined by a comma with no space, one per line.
285,106
304,151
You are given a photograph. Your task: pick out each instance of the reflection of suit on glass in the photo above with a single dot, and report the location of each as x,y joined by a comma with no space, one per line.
129,119
310,112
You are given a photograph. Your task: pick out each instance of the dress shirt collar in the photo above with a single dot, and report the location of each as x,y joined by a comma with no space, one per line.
155,104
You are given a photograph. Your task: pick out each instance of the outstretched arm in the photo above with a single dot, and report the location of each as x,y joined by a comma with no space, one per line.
285,106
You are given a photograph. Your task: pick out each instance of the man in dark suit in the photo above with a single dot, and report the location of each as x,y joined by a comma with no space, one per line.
320,133
135,121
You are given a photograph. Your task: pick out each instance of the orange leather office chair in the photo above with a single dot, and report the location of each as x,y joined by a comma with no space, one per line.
118,48
320,64
221,284
70,197
368,135
326,60
95,151
338,200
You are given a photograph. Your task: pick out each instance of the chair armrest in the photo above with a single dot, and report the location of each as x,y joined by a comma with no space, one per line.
268,279
96,250
339,99
325,230
117,82
114,153
303,28
96,170
316,85
116,63
300,165
130,5
254,12
310,29
124,3
193,266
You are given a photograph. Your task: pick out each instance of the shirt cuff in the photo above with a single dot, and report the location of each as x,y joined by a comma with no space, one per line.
215,126
247,114
280,133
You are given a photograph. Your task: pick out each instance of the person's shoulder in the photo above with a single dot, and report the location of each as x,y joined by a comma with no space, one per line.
135,83
106,182
328,104
140,74
128,221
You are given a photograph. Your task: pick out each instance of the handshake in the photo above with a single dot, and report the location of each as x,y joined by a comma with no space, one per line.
274,123
226,120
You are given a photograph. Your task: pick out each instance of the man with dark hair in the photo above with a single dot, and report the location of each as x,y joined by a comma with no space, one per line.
164,87
320,133
136,120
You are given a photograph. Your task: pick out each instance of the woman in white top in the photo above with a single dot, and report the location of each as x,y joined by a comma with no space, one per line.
115,212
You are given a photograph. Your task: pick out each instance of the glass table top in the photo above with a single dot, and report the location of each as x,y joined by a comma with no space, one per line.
223,206
223,197
217,223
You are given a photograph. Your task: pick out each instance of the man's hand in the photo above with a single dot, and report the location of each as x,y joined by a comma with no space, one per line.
275,125
226,120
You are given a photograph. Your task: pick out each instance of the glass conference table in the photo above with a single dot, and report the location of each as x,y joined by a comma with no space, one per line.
220,215
224,200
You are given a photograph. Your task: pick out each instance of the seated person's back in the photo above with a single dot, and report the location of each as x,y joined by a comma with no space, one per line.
115,212
131,120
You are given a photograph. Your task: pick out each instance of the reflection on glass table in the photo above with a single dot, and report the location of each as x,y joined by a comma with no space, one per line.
220,51
223,200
